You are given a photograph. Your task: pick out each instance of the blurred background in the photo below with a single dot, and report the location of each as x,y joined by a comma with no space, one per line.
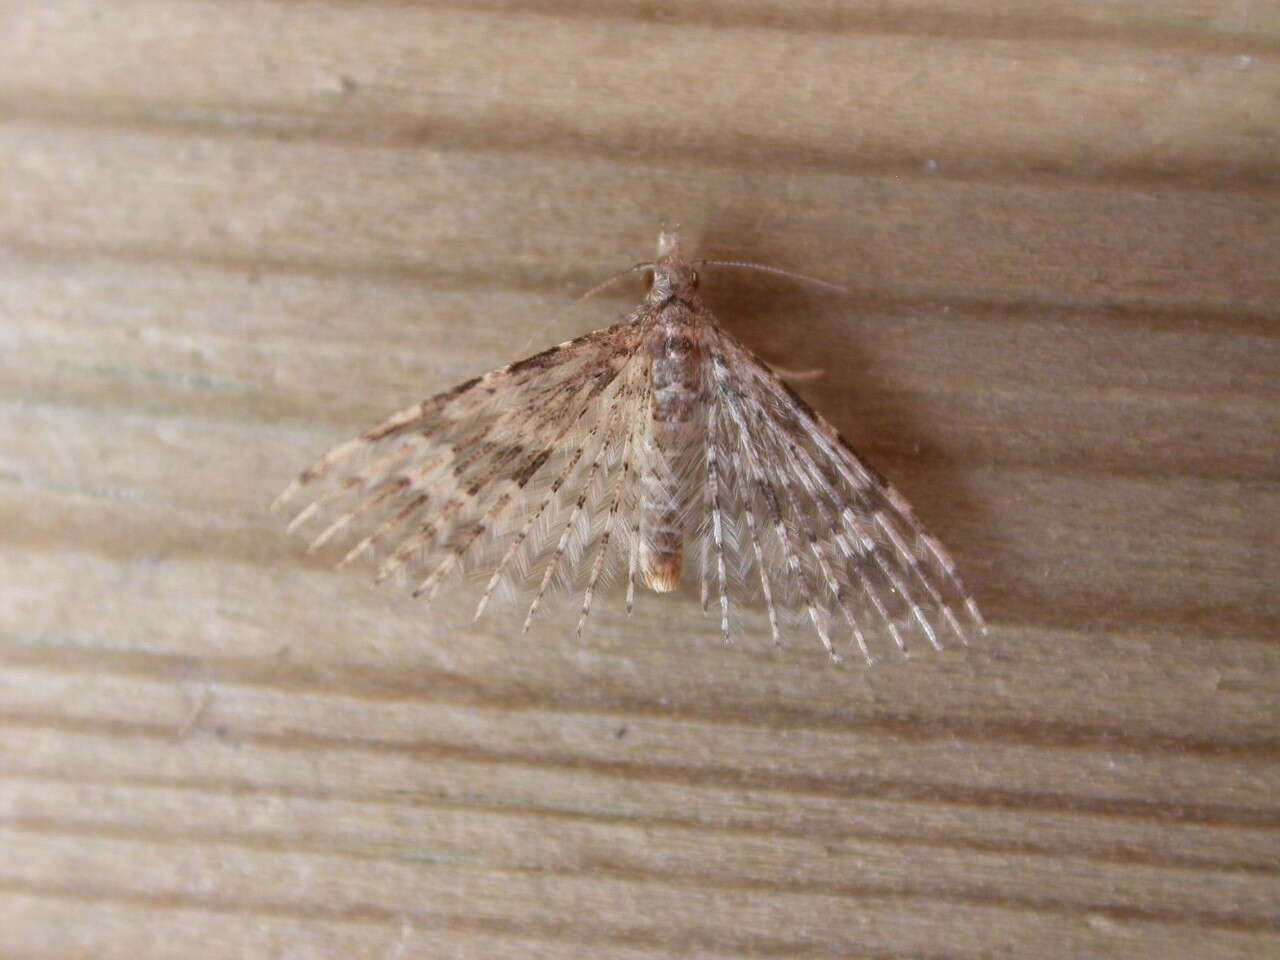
234,233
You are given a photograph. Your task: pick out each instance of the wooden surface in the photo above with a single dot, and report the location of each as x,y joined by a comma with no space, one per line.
234,232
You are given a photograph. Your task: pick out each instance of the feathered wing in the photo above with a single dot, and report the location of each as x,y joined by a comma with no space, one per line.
523,474
797,519
531,475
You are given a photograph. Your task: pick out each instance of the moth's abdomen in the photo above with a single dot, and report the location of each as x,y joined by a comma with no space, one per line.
675,377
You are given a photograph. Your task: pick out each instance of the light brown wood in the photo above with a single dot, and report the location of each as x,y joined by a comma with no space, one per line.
232,233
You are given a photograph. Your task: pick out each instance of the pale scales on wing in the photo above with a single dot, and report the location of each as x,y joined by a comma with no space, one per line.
659,450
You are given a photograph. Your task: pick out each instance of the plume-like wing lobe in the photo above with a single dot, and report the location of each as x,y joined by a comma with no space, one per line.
506,475
819,535
659,451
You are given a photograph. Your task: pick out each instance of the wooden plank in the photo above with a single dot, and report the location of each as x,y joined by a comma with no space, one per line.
616,908
231,234
295,202
813,82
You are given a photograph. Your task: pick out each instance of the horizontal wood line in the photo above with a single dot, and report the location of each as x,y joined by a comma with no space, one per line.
474,136
576,933
1260,405
160,837
726,777
548,279
1213,618
1243,407
891,20
887,453
527,810
447,689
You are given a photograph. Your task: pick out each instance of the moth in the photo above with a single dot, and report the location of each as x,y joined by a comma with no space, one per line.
657,451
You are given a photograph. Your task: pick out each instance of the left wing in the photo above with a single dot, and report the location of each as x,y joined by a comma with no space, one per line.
504,474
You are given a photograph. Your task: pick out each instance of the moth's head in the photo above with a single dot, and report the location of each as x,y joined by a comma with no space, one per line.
671,273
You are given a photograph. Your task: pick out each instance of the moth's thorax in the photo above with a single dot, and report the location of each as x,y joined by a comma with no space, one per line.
674,281
673,348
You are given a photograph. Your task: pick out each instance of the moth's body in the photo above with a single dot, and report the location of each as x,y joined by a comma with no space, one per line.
672,347
637,448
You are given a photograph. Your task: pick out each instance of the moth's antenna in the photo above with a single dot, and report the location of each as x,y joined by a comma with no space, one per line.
604,284
766,269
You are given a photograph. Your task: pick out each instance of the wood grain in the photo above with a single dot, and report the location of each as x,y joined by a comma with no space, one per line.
233,232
